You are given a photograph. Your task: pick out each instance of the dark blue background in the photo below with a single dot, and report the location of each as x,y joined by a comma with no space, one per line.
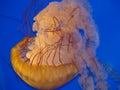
106,14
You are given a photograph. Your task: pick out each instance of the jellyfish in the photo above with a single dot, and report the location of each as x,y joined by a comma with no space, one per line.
64,46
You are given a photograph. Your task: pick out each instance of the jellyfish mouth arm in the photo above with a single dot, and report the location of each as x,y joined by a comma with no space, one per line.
89,76
63,24
51,53
109,70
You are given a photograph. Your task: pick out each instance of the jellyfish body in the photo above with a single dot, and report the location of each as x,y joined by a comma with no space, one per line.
40,76
59,48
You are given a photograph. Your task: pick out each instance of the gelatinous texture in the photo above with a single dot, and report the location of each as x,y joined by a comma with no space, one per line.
58,41
58,25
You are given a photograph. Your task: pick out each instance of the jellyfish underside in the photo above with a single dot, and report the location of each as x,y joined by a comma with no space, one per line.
59,51
41,76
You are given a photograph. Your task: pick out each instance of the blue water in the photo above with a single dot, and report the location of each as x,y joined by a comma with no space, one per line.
106,14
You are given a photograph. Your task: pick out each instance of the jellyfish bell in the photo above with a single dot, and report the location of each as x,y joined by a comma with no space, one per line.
59,52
